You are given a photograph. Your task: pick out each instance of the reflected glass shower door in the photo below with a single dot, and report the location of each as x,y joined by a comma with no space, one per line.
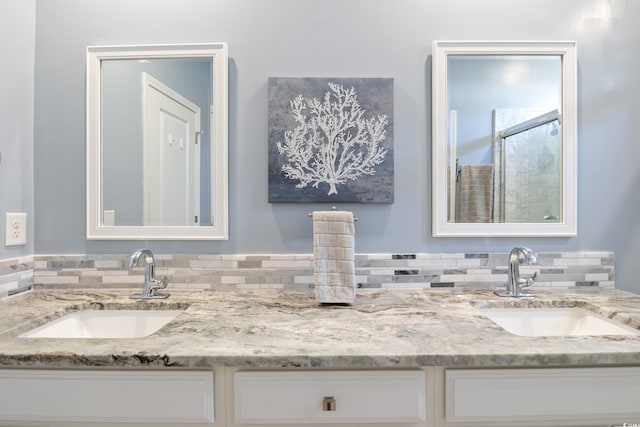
529,175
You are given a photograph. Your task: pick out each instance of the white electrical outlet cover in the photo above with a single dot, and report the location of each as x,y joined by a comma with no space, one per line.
109,217
15,229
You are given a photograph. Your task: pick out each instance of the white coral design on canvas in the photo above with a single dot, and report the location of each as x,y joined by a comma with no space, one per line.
333,141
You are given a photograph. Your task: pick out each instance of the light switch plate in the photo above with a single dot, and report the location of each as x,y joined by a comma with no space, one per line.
15,229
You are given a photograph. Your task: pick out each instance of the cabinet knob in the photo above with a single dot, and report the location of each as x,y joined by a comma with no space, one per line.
329,403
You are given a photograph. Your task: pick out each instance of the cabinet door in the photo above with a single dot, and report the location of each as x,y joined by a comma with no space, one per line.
107,396
329,397
542,394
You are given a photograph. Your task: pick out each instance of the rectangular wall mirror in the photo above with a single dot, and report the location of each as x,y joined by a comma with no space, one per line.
504,146
157,142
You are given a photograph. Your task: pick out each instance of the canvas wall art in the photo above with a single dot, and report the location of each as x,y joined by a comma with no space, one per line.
330,140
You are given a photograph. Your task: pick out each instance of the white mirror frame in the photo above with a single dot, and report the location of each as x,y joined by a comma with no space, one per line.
568,224
219,143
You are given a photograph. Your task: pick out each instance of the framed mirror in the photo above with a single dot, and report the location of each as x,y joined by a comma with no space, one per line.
157,148
504,147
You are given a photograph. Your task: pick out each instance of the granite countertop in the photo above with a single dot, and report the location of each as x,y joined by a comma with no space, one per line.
271,329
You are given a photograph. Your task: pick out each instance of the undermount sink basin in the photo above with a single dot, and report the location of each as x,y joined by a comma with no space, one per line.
105,324
546,322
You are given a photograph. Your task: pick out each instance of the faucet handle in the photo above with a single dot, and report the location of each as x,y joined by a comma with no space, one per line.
529,281
158,284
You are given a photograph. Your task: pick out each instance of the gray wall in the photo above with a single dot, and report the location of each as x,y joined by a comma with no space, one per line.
354,38
17,41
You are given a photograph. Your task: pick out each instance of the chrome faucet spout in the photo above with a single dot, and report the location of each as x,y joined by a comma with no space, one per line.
151,284
149,263
515,283
134,259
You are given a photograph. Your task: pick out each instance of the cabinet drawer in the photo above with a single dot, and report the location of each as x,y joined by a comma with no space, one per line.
329,397
108,396
542,394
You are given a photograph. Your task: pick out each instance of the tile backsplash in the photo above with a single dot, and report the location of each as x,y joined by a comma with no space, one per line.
16,275
294,271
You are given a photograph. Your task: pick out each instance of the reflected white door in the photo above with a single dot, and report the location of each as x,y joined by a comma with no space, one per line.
171,156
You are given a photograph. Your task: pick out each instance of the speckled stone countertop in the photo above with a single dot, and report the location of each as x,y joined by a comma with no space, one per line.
270,329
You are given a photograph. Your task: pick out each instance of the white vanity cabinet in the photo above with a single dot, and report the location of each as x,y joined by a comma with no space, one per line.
127,397
421,397
541,397
330,397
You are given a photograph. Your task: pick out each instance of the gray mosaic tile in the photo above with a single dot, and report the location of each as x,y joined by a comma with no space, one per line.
407,256
442,285
294,271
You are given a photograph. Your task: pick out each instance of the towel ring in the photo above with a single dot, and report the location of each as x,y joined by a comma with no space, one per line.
333,208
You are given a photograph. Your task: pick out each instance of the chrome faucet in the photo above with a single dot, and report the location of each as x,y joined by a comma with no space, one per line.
515,282
151,284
